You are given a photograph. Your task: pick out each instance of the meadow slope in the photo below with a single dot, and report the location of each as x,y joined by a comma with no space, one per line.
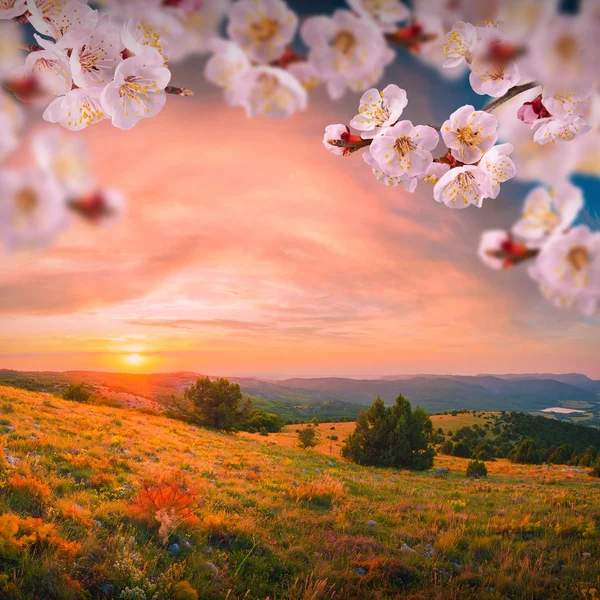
266,520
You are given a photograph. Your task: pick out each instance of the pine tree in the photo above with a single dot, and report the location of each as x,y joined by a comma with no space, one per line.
391,436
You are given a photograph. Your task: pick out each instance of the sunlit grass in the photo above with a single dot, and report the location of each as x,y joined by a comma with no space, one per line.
95,500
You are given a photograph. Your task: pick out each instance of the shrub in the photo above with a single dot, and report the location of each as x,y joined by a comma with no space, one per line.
77,392
476,469
595,471
307,437
447,448
169,503
461,450
395,436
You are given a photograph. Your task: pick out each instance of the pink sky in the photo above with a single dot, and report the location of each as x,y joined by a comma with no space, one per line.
249,250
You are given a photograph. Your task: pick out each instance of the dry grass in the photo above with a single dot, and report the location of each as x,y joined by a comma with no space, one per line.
271,520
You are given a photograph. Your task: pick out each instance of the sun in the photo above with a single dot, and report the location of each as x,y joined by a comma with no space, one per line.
134,360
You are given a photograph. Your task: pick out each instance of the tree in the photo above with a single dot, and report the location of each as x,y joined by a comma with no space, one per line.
476,469
526,453
307,437
461,450
78,392
394,436
216,404
447,448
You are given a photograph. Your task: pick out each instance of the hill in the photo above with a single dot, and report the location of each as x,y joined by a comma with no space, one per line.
334,398
229,516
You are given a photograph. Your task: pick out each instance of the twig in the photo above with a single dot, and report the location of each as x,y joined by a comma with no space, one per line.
515,91
178,91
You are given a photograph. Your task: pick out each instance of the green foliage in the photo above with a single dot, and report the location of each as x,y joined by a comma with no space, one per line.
461,450
259,419
216,404
307,437
526,453
394,436
77,392
447,448
315,421
476,469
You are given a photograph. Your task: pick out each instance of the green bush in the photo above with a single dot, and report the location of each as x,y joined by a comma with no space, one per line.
77,392
394,436
307,437
476,469
461,450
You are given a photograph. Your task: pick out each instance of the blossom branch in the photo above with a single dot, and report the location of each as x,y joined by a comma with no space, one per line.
512,92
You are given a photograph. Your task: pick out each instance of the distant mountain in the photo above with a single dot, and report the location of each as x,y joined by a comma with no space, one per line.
336,396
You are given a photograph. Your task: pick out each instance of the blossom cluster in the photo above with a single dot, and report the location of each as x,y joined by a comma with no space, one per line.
470,169
566,258
92,66
562,104
37,202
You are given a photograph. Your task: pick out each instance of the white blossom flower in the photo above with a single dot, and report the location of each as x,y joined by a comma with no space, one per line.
10,9
435,172
11,120
32,209
563,54
565,106
460,45
305,73
384,13
432,175
96,56
498,167
76,110
51,70
380,175
336,133
492,247
469,133
11,55
201,21
65,158
549,212
338,86
405,150
550,163
225,67
462,186
568,270
262,28
345,49
161,21
137,91
491,78
271,92
54,18
379,110
137,37
552,130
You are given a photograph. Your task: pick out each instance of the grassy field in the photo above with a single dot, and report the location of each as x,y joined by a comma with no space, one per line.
100,502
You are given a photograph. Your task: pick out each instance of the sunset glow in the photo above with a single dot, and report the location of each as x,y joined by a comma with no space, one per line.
291,264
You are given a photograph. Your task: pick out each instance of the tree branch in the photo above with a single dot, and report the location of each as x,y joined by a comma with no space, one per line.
514,91
178,91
